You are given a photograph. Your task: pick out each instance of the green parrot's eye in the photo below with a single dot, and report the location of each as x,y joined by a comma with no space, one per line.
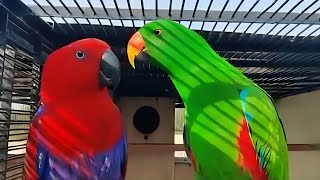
80,54
157,31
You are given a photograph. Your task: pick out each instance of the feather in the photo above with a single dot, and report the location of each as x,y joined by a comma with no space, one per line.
248,158
189,150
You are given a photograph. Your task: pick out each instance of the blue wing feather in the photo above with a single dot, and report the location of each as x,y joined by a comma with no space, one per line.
110,164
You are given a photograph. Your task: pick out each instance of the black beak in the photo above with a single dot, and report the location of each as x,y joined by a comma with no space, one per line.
109,75
141,59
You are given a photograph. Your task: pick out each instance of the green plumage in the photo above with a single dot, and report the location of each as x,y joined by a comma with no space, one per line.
227,113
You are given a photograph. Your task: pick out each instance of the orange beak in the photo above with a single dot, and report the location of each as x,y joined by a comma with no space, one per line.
135,47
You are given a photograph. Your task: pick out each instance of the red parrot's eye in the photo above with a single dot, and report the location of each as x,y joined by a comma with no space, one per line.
80,54
157,31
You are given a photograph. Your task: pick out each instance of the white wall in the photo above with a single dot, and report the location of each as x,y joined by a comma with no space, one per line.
301,118
149,162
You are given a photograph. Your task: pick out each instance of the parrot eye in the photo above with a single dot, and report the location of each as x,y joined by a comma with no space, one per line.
157,31
80,54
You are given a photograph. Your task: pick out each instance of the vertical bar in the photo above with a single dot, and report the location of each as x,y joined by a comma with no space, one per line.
190,24
36,2
305,9
234,31
121,21
117,8
114,29
64,5
80,26
53,7
182,7
254,33
208,9
293,8
292,29
212,31
134,26
104,30
105,9
142,8
302,31
283,4
311,33
70,26
271,29
170,8
92,8
195,8
7,75
311,14
4,135
224,7
201,29
244,32
157,14
79,7
274,2
254,5
239,5
221,33
92,26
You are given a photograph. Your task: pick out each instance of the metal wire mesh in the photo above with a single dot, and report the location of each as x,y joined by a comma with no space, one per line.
275,43
272,42
19,81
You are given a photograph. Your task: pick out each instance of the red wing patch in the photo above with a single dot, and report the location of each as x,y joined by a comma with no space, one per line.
248,158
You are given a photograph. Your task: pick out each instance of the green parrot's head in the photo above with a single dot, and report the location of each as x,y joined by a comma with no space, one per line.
161,40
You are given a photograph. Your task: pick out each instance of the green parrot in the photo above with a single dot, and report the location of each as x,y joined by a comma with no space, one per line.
232,129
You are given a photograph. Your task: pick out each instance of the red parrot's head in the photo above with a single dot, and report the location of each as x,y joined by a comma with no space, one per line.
78,69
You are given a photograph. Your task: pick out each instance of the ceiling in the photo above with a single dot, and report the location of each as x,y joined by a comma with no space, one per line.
275,43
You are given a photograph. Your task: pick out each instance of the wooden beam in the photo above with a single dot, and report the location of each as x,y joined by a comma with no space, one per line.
304,147
180,147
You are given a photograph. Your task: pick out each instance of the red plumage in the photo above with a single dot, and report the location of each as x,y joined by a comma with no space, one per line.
248,158
78,116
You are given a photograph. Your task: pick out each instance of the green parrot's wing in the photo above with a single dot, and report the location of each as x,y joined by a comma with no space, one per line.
274,104
266,130
187,144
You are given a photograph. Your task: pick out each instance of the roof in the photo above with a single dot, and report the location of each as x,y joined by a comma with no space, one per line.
275,43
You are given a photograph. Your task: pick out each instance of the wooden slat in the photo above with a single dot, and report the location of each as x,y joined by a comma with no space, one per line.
304,147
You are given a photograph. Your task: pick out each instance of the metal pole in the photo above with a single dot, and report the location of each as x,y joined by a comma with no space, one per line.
4,103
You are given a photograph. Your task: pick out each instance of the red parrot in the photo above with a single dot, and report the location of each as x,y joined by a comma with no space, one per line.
77,132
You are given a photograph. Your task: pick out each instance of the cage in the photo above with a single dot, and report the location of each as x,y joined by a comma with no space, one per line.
274,43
